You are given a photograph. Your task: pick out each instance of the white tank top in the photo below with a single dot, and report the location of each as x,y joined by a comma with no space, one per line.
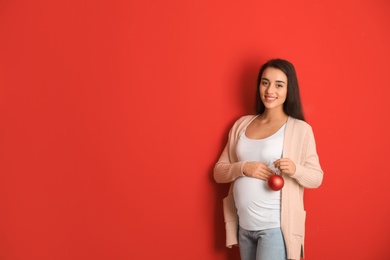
258,206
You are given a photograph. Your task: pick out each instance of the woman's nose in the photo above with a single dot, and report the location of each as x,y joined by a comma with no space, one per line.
270,89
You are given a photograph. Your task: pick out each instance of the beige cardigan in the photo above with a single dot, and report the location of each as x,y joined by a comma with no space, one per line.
299,146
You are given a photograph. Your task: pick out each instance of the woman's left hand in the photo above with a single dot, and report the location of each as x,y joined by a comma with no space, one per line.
285,166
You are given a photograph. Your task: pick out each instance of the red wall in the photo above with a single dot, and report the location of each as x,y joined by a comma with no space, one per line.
113,113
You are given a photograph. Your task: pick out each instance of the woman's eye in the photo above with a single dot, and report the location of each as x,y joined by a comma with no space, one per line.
280,86
264,83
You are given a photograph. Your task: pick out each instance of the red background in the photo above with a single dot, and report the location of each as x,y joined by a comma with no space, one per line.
113,113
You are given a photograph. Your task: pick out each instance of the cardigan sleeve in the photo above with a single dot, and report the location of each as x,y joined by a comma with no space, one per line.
309,173
228,168
225,170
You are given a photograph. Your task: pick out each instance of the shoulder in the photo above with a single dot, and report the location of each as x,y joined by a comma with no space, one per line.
241,123
244,121
299,126
246,118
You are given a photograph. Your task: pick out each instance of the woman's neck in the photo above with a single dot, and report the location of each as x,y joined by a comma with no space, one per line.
273,116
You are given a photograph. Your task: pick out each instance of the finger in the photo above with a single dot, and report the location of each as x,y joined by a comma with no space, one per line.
282,159
283,166
285,169
277,162
262,177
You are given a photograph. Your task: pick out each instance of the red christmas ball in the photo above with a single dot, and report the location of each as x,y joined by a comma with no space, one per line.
275,182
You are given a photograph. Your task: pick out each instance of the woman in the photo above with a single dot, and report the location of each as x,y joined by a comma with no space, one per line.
269,224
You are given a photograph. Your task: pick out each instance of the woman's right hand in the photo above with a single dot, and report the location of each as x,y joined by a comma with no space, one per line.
257,170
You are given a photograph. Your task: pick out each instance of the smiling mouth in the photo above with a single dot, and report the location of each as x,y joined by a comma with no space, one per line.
271,98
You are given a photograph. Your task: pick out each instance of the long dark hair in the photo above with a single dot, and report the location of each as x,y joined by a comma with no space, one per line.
292,106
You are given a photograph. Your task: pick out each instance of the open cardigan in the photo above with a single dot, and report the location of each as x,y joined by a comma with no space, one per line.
299,145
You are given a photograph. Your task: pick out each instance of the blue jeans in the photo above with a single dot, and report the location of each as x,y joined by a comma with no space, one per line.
265,244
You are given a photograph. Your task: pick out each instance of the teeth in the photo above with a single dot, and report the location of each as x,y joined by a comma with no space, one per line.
271,98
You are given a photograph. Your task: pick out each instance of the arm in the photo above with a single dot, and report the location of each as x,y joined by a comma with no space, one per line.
310,174
226,171
228,168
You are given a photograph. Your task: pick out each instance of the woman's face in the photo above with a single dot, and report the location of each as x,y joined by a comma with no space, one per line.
273,88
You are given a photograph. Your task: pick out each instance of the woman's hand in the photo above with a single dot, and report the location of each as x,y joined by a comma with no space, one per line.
257,170
285,166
